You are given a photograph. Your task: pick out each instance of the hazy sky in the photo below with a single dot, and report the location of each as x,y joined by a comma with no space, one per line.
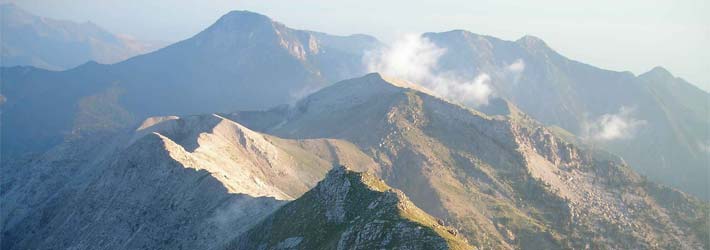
630,35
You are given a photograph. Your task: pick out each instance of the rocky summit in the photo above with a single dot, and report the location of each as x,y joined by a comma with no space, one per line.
350,210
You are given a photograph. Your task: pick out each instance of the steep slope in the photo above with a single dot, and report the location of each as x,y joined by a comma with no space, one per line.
666,116
174,183
51,44
243,61
506,181
680,136
349,210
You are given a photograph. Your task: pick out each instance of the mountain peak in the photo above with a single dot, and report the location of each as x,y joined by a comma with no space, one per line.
531,38
341,174
360,211
458,34
532,42
244,14
238,20
348,93
658,71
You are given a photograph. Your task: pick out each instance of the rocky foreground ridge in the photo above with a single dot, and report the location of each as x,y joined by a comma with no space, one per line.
192,182
350,210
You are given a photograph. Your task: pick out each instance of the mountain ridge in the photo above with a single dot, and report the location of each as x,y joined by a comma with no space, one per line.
578,95
59,44
349,210
176,182
234,69
505,181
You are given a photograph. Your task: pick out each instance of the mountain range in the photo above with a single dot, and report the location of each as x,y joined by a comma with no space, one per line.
246,61
228,140
493,182
488,175
53,44
670,142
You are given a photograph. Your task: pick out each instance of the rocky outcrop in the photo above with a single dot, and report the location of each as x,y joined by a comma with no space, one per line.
563,92
505,181
191,182
349,210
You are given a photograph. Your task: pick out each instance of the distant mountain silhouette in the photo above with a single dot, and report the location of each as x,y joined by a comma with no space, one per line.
670,143
243,61
52,44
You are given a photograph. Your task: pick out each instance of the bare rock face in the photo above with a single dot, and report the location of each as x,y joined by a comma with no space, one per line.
559,91
543,142
174,183
349,210
505,181
332,193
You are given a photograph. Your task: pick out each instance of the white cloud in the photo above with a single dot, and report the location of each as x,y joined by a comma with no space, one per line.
475,93
621,125
415,59
517,67
411,57
514,71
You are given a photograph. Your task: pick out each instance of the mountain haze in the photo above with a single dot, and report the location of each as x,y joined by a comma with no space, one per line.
246,61
665,118
237,138
29,40
243,61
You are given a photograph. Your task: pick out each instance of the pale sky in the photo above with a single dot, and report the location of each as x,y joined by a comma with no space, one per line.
633,35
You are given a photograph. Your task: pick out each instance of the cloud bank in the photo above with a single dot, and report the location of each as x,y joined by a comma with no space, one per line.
415,59
607,127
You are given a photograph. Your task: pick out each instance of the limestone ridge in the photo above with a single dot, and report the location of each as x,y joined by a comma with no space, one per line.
350,210
506,181
187,182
